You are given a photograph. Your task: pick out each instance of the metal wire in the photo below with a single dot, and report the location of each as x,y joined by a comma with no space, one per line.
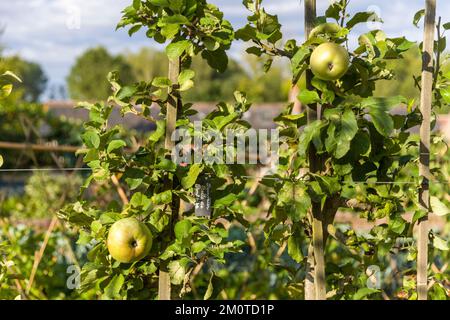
44,169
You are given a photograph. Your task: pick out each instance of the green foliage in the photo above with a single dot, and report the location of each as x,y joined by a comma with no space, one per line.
31,122
33,79
44,195
364,149
210,85
368,167
142,175
147,63
88,77
18,245
404,71
5,90
176,22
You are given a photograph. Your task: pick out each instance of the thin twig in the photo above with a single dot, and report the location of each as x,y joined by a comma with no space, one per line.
40,254
120,190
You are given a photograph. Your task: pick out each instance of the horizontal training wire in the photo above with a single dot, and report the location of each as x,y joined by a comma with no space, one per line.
232,176
348,182
44,169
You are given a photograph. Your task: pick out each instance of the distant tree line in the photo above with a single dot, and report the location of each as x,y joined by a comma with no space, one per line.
87,78
34,80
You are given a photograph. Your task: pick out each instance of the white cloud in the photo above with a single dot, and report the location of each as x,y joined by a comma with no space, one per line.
38,29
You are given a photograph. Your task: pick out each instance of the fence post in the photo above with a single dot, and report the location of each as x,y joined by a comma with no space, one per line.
164,286
424,165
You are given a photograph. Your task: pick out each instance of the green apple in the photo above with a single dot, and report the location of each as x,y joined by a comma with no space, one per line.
329,61
129,240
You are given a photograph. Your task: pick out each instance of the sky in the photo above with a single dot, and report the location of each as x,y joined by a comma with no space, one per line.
54,32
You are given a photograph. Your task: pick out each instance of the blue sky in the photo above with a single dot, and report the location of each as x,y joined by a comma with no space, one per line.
54,32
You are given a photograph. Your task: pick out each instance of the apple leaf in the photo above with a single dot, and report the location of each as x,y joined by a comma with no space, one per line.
310,133
348,127
445,93
198,246
5,90
397,224
91,139
177,270
126,92
363,17
176,49
164,197
438,292
364,292
438,207
115,144
215,286
295,248
189,180
161,82
217,59
308,97
379,112
140,200
1,160
440,243
382,121
418,16
418,215
159,132
160,3
225,201
112,290
185,79
182,229
12,75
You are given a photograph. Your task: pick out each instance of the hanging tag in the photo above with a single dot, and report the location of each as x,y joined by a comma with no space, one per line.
202,191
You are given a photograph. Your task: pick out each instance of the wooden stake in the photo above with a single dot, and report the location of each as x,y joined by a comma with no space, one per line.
164,286
424,165
310,13
316,266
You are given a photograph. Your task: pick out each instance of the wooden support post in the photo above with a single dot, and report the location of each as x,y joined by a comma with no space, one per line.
164,286
315,266
424,165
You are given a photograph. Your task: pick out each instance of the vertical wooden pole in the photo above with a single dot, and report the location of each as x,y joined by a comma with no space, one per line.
164,286
315,266
424,165
310,13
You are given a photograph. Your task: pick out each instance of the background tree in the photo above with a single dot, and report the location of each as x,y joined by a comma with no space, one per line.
147,63
246,75
212,85
34,80
261,86
404,72
88,77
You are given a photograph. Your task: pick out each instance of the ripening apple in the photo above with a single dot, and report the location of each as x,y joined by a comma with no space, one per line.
129,240
329,61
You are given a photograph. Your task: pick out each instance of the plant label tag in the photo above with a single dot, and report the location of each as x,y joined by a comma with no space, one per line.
202,191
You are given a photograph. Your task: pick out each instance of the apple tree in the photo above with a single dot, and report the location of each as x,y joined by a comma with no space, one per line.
345,151
159,192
